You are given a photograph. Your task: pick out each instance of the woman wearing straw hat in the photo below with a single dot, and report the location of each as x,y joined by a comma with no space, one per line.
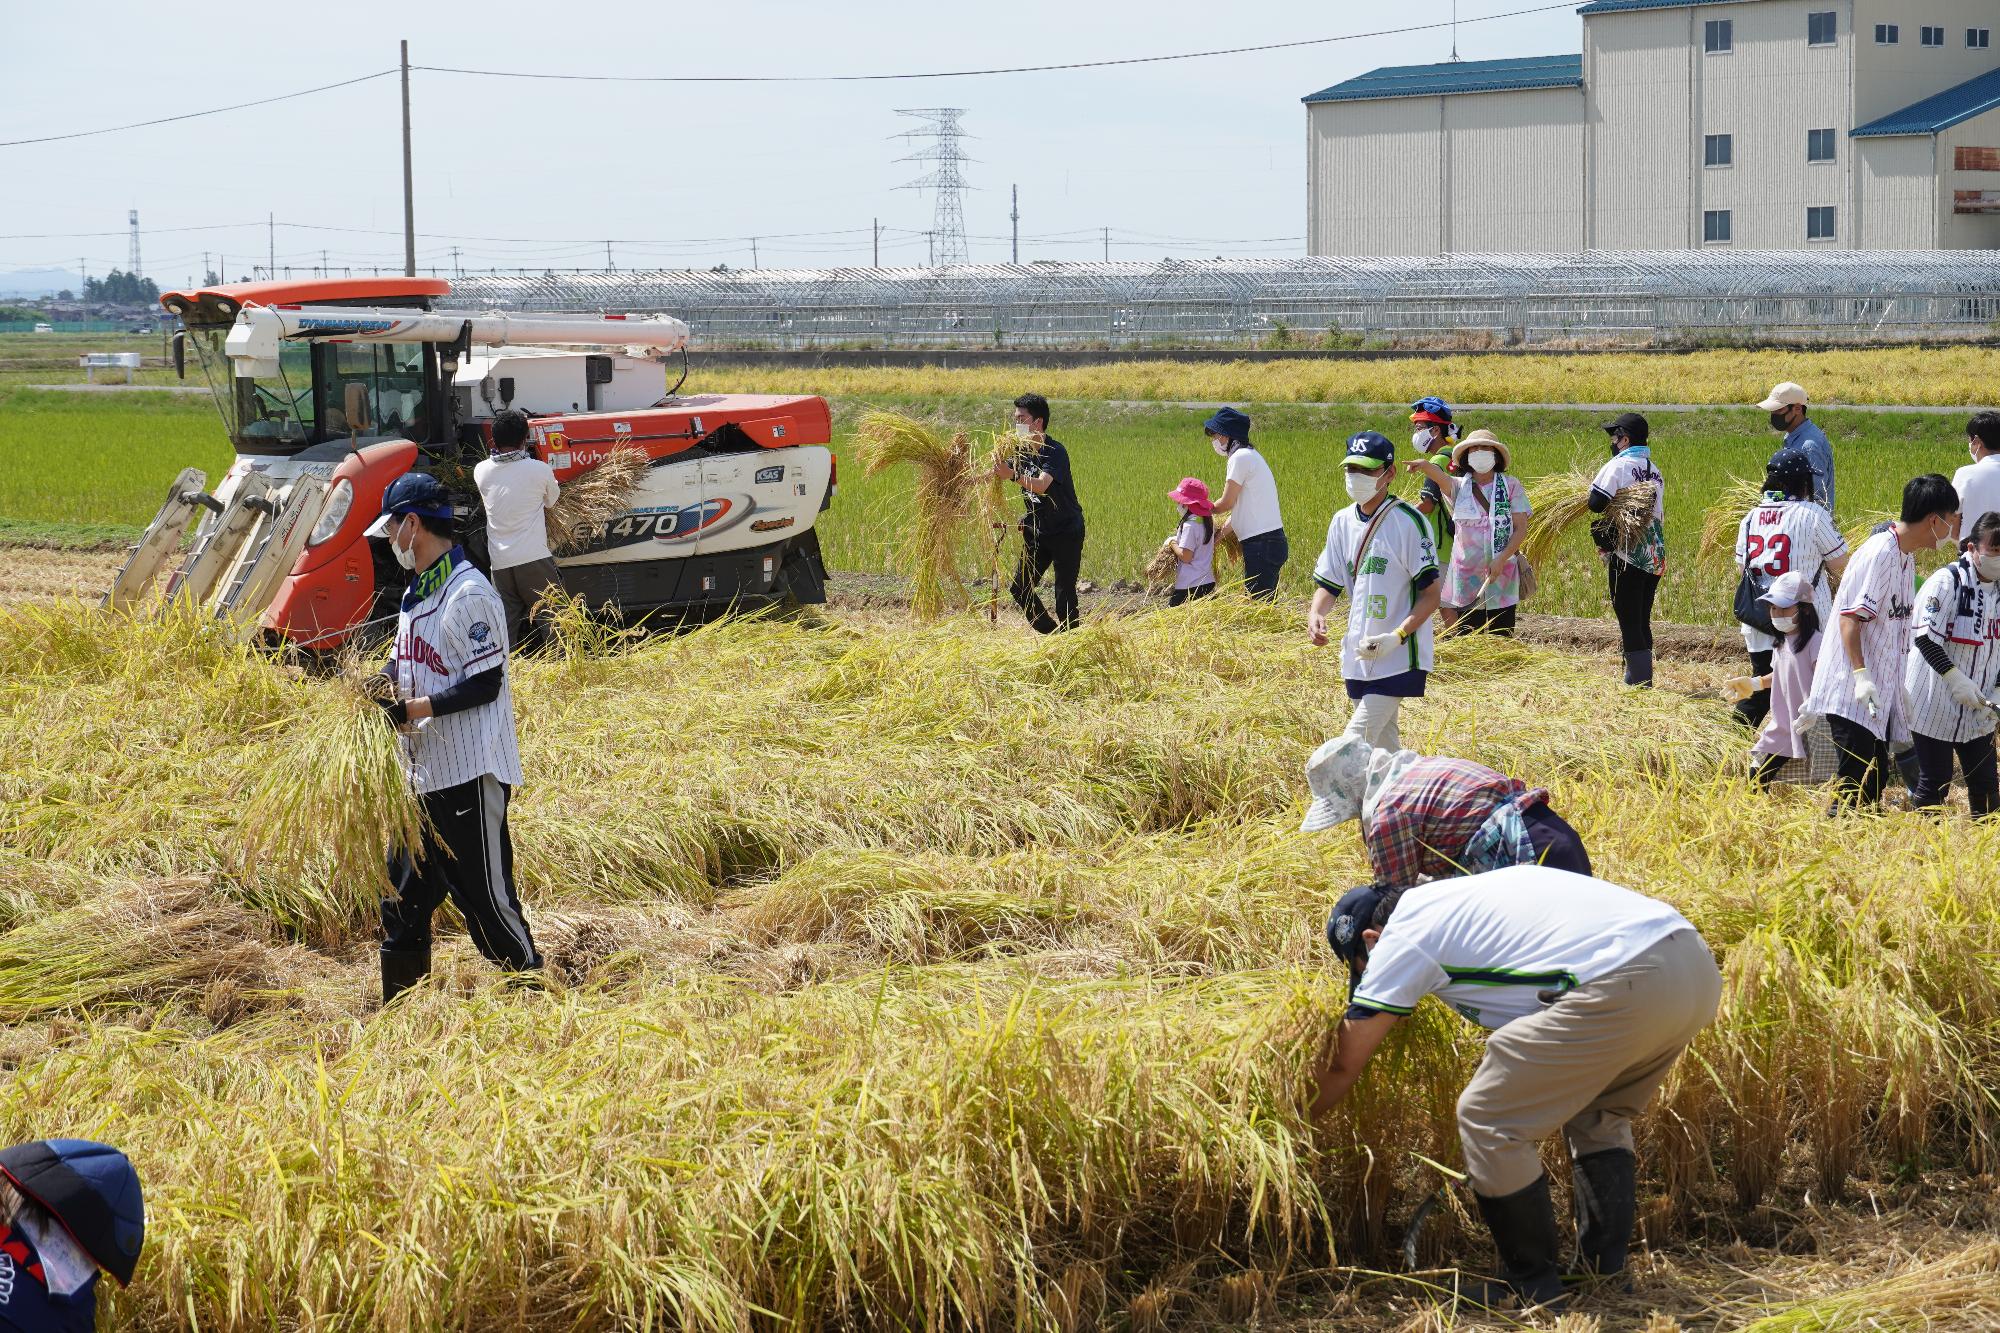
1489,510
1193,543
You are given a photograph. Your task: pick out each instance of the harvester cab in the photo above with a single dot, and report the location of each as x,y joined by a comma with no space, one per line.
330,390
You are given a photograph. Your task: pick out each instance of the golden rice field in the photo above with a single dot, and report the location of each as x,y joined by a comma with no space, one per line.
912,975
1945,377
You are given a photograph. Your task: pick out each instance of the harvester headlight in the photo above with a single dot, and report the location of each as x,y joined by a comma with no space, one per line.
338,502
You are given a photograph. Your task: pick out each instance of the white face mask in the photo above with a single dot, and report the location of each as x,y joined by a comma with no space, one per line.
1481,460
1949,541
406,556
1023,429
1363,486
1988,567
1221,446
1421,441
1784,624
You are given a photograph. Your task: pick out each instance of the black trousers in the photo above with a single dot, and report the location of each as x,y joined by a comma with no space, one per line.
1487,620
1632,593
1752,711
1264,558
1556,843
1041,552
1862,762
1975,757
468,857
1179,595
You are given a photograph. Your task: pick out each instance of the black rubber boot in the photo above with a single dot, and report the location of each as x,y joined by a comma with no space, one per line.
1639,669
1606,1198
1524,1231
402,969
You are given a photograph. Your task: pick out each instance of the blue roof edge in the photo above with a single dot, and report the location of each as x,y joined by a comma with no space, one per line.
1938,112
1514,74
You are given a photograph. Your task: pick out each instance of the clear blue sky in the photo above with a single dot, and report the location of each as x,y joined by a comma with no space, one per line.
1197,149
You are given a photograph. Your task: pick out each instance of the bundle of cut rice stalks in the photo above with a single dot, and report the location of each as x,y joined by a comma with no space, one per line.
1228,545
1159,573
1562,499
329,803
591,500
1724,514
946,493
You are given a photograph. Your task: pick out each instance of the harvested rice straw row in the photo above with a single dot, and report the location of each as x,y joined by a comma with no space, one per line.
591,500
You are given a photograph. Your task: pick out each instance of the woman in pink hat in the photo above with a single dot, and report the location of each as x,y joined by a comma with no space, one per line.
1193,544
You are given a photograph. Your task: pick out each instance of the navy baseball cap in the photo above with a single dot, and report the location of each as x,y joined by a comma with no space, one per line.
1790,472
1354,913
1229,424
1371,450
416,493
1629,424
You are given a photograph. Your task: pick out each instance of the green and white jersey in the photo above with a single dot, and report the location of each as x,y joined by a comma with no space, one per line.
1394,571
1487,945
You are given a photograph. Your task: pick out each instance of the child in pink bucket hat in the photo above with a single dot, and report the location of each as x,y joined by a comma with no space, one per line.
1193,544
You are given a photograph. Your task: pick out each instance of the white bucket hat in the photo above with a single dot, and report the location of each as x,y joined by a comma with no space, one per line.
1338,776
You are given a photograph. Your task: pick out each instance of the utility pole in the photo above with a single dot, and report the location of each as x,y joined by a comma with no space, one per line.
1454,32
409,180
610,264
271,243
875,229
82,277
456,271
1015,216
322,263
1107,245
205,269
753,252
930,239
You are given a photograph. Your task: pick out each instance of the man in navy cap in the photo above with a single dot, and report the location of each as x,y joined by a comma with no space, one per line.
451,701
1590,992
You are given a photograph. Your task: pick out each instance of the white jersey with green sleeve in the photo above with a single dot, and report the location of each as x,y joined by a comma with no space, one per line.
1393,572
1489,945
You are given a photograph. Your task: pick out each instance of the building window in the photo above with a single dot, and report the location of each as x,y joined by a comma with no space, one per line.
1820,28
1888,34
1819,223
1819,145
1933,36
1719,36
1715,227
1978,38
1718,150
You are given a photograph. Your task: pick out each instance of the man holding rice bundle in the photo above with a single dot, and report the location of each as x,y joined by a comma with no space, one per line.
1379,554
1052,526
517,490
1429,817
452,703
1634,568
1590,992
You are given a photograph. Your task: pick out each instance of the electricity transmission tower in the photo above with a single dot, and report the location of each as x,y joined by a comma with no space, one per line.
944,181
132,265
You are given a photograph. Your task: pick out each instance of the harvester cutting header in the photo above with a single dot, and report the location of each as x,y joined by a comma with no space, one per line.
330,390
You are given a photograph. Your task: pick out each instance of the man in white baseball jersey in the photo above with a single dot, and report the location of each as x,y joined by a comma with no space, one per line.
1632,570
1589,991
1786,531
1953,668
1978,482
516,490
452,703
1857,682
1379,552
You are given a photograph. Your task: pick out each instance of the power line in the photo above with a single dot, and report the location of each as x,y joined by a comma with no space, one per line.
193,115
978,73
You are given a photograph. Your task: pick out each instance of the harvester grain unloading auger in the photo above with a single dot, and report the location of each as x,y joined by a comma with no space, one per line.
330,389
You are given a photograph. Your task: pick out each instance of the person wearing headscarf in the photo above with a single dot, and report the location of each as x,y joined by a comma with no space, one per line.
1429,817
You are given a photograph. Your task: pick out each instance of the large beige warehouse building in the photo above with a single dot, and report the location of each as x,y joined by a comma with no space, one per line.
1761,124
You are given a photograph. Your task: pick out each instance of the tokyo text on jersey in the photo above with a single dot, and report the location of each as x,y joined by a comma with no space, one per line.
452,627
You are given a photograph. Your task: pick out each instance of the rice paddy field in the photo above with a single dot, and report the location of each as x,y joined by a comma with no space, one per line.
918,973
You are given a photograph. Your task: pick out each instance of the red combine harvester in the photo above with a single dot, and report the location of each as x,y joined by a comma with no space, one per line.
330,390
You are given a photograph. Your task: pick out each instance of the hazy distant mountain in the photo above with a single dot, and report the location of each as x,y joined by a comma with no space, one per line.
38,282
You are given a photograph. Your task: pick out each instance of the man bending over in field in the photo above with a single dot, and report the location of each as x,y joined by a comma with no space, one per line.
1591,992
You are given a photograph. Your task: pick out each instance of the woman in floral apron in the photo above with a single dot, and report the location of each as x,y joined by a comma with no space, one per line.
1489,508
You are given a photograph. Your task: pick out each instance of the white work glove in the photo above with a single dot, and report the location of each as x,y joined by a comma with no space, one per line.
1993,698
1963,692
1740,688
1375,646
1865,692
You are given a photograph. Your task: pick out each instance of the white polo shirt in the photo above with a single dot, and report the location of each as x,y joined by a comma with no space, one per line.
516,490
1256,511
1487,945
452,627
1978,487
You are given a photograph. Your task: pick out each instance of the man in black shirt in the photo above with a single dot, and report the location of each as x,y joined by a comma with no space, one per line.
1052,528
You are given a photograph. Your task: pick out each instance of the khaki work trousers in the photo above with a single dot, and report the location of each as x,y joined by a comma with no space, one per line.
1586,1064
